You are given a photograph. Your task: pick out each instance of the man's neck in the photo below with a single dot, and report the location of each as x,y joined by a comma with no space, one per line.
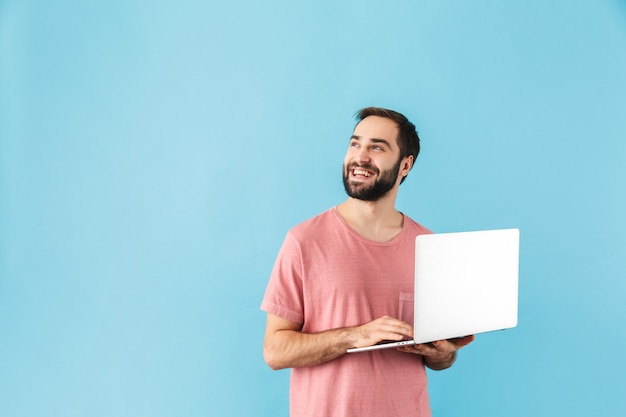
376,220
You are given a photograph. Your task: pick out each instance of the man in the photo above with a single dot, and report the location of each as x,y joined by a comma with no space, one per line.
344,279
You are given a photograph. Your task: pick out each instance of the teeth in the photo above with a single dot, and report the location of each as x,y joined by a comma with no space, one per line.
361,172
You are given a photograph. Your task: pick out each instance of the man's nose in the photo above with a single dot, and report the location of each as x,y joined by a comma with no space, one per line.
363,155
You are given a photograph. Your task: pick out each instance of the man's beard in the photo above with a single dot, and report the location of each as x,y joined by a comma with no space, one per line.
384,182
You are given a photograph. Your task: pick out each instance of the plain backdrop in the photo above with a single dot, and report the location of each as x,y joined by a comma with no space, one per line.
154,154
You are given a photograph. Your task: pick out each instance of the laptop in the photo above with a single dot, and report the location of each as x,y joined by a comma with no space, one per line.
465,283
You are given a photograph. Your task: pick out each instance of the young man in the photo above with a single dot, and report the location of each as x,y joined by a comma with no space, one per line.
344,279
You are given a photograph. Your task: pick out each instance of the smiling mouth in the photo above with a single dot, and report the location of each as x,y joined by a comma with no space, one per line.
361,173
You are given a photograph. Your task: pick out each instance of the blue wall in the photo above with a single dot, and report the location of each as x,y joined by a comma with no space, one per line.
153,155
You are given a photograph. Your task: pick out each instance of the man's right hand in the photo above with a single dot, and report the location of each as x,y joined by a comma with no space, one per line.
286,346
381,329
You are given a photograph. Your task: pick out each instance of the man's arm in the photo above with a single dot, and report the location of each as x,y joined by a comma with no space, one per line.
286,346
441,354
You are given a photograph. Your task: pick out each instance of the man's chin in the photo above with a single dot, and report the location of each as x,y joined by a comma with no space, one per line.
365,192
363,195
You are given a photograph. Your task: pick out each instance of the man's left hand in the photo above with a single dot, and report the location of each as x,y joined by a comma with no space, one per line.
440,354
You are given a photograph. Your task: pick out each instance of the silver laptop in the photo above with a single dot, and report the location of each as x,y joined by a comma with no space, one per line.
465,283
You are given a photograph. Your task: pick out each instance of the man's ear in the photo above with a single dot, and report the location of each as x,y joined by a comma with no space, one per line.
407,165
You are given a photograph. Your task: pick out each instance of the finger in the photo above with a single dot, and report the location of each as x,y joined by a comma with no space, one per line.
410,349
396,327
385,328
420,349
443,346
463,341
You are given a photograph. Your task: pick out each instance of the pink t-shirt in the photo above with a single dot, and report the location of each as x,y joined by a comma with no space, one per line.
328,276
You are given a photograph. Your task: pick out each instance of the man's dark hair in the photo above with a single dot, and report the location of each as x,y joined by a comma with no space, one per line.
408,140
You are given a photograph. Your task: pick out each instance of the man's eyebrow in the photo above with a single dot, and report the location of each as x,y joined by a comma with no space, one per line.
375,140
383,141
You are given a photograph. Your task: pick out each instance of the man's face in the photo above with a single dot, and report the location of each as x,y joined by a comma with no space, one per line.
372,163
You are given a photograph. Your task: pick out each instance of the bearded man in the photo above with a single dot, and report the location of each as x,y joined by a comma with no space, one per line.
343,278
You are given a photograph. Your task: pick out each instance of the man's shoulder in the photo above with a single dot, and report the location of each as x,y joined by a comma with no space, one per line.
315,224
414,227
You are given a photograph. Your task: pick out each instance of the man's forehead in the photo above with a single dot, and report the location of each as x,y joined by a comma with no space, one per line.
375,127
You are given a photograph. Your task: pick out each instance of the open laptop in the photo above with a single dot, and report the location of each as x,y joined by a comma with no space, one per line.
465,283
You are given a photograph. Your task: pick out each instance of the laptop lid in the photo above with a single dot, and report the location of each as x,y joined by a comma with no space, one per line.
465,283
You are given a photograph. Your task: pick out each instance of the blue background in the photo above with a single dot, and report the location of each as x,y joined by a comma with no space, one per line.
154,154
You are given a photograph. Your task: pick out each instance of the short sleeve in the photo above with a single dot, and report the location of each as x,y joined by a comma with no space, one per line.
284,292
